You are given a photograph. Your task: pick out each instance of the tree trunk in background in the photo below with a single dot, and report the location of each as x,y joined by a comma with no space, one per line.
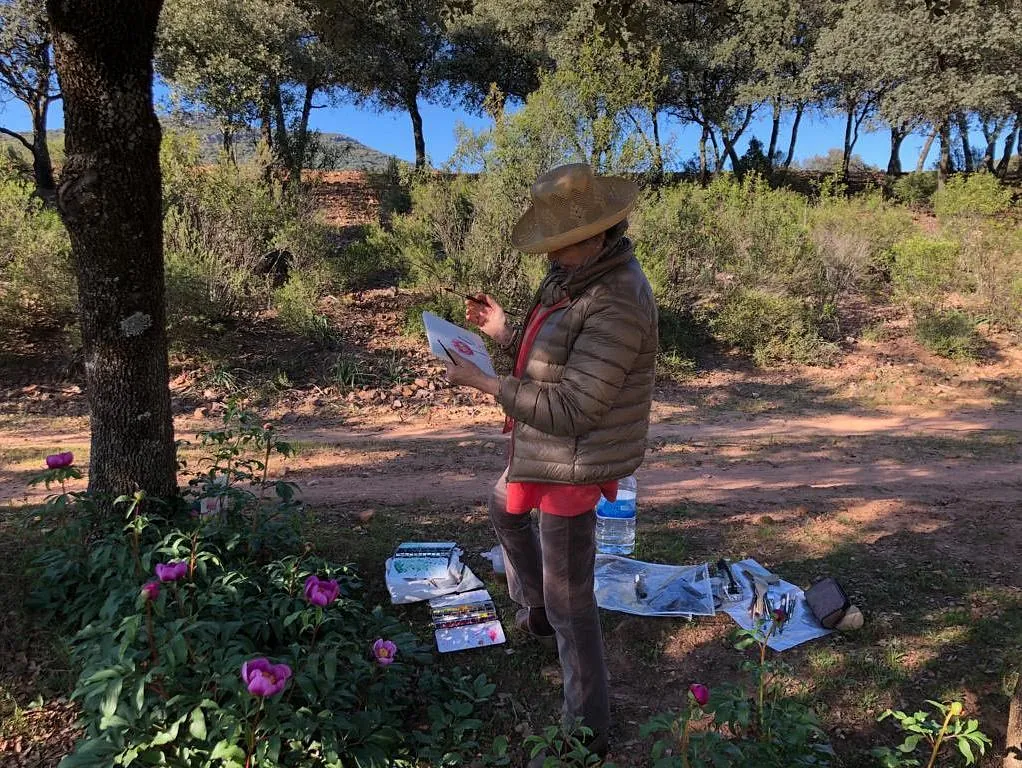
717,163
302,138
1013,737
894,161
658,149
775,129
281,144
266,138
110,200
990,135
944,168
42,165
925,151
794,136
703,168
846,155
963,131
1018,137
227,143
412,104
730,141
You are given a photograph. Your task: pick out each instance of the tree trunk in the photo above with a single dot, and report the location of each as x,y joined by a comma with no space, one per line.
894,161
963,131
775,129
1013,737
991,132
703,168
302,137
925,152
110,200
281,144
729,150
1018,137
944,168
227,142
846,155
730,141
265,155
658,149
717,159
42,166
794,136
412,103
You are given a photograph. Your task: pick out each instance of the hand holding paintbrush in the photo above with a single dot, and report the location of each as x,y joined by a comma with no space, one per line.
484,312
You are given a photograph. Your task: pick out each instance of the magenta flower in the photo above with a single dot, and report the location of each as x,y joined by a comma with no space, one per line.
384,652
60,460
151,590
700,693
171,571
263,678
321,592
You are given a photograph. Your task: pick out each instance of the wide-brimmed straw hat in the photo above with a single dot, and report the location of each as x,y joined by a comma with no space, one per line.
571,204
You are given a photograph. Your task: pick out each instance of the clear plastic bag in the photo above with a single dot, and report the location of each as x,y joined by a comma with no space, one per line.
652,589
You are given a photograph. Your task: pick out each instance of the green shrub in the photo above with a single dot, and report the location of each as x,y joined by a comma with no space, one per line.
924,268
37,281
978,194
854,237
949,334
374,258
230,232
992,258
161,663
296,303
915,189
771,328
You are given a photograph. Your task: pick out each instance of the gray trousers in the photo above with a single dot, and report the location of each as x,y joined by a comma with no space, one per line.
555,571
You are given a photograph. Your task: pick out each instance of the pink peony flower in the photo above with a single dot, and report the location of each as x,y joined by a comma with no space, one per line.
60,460
171,571
321,592
151,590
384,652
700,693
263,678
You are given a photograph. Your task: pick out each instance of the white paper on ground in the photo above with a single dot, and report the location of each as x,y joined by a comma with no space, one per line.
800,628
458,340
403,591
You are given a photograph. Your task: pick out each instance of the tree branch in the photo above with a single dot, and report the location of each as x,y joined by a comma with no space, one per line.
20,138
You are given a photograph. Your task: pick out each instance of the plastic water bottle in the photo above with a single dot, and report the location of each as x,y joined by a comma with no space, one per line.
615,520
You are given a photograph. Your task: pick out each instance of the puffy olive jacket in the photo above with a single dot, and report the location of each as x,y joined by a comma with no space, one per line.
582,404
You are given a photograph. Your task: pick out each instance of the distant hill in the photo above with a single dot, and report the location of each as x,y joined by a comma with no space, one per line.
335,151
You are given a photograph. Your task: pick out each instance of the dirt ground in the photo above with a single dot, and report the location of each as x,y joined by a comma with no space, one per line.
896,472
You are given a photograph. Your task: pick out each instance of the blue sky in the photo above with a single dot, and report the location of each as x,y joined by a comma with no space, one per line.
391,132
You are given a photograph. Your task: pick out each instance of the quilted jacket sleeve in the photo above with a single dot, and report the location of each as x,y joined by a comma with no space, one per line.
601,358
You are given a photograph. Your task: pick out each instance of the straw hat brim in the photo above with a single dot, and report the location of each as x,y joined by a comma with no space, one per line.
620,196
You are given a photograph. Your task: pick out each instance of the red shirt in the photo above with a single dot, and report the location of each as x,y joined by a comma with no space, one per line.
550,498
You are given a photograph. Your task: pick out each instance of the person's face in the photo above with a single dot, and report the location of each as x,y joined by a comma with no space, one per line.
577,254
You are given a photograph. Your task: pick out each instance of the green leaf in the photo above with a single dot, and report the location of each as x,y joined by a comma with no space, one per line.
910,743
197,724
224,750
166,736
113,693
330,666
139,695
966,750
